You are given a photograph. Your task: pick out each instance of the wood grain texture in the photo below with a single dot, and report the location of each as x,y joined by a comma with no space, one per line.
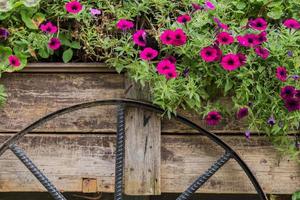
68,158
31,96
142,146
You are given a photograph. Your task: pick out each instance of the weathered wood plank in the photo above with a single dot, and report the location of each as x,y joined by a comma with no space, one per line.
142,146
67,67
68,158
31,96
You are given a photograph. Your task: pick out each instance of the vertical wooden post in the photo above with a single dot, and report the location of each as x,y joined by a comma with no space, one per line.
143,146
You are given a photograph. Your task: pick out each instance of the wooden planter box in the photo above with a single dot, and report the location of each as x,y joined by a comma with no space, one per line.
79,147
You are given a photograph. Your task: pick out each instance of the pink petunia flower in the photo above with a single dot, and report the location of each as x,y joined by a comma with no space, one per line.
243,112
209,54
230,62
258,24
287,92
281,74
95,11
124,24
297,95
172,59
213,118
165,66
148,54
242,58
73,7
179,37
167,37
171,74
292,23
248,40
139,38
220,24
225,38
262,37
48,28
183,19
54,43
262,52
14,61
196,6
210,5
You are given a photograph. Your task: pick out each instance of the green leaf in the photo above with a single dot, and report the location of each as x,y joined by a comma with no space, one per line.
275,13
296,196
228,85
75,45
26,18
67,55
43,52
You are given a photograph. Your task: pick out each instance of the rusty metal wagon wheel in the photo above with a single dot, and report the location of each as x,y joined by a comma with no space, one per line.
119,165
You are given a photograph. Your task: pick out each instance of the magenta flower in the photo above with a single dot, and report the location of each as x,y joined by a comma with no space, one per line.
139,38
281,74
171,74
225,38
230,62
148,54
4,33
73,7
183,19
167,37
14,61
209,54
262,52
165,66
292,23
210,5
124,24
220,24
243,112
297,94
287,92
172,59
213,118
258,24
179,37
242,58
248,40
292,104
262,37
48,28
95,11
54,43
196,6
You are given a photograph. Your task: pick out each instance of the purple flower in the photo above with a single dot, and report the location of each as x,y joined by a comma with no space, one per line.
292,104
247,134
243,112
54,43
271,121
290,53
186,72
295,77
213,118
196,6
287,92
4,33
95,11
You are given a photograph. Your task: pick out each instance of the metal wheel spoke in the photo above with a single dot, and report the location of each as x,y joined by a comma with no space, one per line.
187,194
120,149
36,172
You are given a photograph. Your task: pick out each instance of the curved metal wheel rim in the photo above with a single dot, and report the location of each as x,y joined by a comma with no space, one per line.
134,103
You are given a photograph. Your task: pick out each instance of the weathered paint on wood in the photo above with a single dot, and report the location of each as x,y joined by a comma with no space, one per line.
142,146
67,158
33,95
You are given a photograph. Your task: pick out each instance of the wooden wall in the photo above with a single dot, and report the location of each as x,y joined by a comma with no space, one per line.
81,145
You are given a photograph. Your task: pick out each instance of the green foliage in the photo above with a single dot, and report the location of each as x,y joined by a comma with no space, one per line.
296,196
